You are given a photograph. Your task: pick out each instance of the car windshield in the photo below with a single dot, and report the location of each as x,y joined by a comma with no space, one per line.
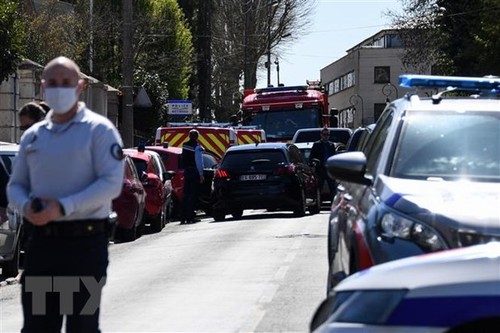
448,146
341,135
141,166
253,160
283,124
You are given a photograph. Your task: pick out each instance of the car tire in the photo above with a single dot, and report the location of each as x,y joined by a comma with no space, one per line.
316,207
127,235
300,210
218,215
157,222
11,268
237,214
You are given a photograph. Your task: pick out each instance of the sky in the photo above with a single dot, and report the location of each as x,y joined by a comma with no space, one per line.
336,27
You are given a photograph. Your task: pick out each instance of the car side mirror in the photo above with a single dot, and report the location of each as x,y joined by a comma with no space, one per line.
315,162
168,175
144,176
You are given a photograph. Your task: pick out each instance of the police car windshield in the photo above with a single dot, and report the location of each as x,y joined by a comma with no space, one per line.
449,145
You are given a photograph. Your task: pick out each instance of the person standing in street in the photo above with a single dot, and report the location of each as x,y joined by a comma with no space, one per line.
192,161
320,152
68,170
29,114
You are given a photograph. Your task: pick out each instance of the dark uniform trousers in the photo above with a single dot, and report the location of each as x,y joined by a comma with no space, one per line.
64,252
190,199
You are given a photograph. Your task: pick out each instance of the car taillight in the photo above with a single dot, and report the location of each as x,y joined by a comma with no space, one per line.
284,170
221,174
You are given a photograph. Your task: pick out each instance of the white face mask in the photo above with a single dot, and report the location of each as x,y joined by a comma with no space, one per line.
61,100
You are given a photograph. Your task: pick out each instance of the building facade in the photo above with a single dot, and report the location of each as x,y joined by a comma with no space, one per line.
23,86
360,83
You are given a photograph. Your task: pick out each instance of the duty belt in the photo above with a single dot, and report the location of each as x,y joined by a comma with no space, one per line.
75,228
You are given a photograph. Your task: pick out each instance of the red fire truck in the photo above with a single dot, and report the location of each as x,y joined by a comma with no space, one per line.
281,111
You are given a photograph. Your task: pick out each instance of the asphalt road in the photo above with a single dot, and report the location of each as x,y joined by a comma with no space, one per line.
264,273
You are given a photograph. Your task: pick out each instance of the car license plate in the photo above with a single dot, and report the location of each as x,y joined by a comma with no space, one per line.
252,177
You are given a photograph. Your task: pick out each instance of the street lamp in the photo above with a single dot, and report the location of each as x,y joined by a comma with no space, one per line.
277,63
387,91
272,4
354,100
268,63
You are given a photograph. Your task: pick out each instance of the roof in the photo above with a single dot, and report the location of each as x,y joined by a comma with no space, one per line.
262,145
458,266
170,149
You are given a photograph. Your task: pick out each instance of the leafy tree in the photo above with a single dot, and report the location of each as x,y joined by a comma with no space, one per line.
455,37
11,38
52,32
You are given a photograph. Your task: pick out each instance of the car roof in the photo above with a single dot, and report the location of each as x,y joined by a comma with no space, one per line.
465,103
304,145
170,149
478,263
9,148
261,145
134,153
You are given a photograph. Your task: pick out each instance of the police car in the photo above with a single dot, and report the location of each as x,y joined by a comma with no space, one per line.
428,178
450,291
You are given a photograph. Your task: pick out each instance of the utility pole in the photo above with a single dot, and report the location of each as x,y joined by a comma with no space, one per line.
277,63
246,75
127,126
268,63
205,58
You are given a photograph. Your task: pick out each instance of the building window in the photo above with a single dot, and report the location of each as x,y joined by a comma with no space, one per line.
382,74
378,108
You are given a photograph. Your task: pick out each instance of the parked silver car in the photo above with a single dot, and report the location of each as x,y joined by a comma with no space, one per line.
10,219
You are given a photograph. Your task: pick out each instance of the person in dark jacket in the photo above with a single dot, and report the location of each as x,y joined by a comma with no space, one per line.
320,152
192,161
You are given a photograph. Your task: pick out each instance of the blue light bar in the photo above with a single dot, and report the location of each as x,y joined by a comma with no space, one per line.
459,82
278,89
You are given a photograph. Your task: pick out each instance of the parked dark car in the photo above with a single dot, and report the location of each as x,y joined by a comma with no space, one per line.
172,158
157,183
427,180
129,206
271,176
11,228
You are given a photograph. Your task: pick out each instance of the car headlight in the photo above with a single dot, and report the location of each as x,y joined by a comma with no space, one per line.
397,226
364,306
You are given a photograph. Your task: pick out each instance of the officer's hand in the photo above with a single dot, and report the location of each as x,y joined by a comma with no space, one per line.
202,179
50,211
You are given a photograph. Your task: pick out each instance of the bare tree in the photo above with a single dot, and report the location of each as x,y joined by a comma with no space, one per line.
244,32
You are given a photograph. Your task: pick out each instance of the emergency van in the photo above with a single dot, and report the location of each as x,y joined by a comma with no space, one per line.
214,137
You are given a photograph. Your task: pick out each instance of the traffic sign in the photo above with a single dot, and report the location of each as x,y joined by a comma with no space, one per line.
180,107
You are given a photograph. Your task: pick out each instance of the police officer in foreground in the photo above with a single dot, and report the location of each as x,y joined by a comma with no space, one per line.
192,161
68,170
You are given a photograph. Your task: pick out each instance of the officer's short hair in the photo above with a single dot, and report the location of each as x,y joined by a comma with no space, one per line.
32,110
193,134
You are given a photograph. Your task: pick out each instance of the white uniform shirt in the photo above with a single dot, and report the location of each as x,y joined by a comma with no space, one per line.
79,163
